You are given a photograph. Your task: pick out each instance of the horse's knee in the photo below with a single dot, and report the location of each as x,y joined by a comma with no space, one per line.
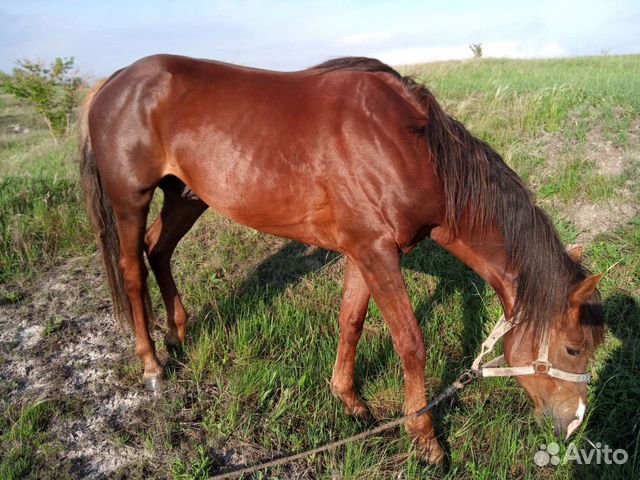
134,274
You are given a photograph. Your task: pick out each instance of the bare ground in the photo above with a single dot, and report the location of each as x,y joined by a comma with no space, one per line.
59,342
610,160
593,219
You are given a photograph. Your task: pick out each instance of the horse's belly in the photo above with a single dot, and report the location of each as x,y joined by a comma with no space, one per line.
278,204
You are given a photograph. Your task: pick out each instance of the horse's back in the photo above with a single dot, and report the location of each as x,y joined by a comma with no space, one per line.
283,152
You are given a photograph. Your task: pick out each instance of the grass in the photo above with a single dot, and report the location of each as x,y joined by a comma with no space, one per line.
254,377
40,200
22,432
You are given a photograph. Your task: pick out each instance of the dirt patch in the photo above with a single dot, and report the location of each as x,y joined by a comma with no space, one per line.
60,341
554,148
609,158
594,219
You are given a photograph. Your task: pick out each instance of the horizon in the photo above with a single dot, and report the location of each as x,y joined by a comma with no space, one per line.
283,35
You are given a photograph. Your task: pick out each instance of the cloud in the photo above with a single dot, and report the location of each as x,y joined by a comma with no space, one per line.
281,34
516,49
406,55
506,49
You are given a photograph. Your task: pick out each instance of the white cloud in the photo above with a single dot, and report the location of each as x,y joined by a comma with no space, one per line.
400,56
509,49
524,50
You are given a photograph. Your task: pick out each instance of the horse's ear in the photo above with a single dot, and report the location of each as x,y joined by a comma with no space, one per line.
575,253
584,289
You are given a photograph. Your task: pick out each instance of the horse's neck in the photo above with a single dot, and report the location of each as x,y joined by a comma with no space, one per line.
486,255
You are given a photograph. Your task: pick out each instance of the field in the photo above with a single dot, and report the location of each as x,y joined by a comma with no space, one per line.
253,379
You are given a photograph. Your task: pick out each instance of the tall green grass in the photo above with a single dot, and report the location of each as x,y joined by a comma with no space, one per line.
42,217
509,101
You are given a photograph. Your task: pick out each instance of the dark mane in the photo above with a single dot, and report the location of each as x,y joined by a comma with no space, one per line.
481,190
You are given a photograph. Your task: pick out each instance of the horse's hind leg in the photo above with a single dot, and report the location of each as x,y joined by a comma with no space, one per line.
131,214
355,300
180,211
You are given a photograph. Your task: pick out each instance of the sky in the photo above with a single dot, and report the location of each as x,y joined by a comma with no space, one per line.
104,36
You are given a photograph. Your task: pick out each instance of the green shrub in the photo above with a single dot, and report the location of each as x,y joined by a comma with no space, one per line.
53,90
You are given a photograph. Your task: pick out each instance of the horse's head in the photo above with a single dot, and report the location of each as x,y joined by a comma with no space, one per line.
571,339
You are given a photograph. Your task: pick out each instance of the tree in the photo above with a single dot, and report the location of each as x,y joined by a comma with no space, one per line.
53,90
476,48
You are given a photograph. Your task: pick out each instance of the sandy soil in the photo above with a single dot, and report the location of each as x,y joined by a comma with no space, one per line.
61,341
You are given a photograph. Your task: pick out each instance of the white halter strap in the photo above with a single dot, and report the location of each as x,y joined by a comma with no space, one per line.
541,365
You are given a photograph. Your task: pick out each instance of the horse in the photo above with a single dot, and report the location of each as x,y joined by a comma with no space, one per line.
348,155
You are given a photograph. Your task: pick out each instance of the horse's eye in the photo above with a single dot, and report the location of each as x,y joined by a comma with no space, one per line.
573,352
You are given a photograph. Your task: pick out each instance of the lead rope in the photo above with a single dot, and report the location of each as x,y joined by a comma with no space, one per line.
463,380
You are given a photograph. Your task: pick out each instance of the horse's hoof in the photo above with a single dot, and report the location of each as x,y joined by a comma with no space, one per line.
153,383
359,410
174,349
431,451
173,345
352,404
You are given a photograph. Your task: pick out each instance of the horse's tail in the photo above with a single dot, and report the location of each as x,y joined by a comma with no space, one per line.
101,213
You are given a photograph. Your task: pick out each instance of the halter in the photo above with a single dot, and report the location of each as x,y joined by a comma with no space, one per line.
541,365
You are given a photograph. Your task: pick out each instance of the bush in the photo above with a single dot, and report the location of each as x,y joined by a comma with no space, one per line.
53,90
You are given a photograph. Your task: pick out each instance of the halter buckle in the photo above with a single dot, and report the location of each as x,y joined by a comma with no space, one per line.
541,366
467,377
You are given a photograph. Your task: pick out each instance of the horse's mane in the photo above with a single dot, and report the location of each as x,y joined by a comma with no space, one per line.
481,190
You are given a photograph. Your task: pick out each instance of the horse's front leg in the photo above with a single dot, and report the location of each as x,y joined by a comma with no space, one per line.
355,300
380,268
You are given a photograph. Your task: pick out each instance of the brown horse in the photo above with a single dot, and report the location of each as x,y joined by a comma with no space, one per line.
350,156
